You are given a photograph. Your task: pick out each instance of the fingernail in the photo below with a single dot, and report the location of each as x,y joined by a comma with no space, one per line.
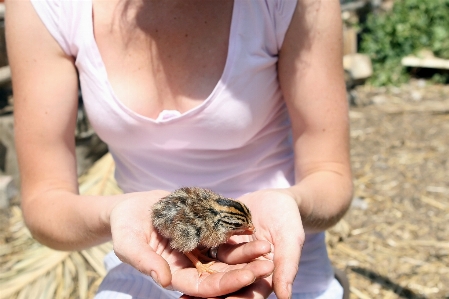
153,275
289,290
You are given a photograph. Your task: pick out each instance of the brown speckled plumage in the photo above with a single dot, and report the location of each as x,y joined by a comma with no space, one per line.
193,216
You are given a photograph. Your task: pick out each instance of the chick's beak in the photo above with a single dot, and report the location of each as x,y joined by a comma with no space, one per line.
249,230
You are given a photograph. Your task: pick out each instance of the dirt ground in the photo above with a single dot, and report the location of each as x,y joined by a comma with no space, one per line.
394,241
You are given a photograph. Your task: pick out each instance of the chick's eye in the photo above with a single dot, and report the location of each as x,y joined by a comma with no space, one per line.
236,225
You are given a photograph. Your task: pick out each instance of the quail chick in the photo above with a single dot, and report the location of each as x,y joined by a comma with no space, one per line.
191,217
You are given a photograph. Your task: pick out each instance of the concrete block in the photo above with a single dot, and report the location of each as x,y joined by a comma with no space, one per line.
358,65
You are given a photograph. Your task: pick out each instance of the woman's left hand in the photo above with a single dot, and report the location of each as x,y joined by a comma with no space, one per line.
275,215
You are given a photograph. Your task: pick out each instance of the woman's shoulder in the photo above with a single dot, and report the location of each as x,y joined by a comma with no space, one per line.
275,14
63,18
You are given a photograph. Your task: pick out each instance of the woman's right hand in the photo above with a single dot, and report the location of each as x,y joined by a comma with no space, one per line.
137,243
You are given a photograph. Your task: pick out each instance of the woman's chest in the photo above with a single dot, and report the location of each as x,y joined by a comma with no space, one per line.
240,104
163,57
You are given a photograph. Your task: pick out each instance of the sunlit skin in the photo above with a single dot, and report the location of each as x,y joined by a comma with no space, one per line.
136,42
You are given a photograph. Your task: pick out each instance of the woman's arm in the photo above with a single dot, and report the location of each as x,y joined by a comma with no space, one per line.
311,78
45,88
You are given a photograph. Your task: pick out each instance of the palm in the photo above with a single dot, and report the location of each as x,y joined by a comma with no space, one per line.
277,220
185,275
138,244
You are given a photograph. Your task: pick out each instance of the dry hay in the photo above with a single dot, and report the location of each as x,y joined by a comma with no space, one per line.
31,270
394,241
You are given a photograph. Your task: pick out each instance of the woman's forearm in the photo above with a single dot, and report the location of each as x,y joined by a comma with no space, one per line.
323,197
66,221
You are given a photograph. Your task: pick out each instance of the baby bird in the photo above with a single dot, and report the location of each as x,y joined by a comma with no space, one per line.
191,217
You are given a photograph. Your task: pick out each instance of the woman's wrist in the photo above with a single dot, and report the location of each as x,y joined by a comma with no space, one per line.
305,207
110,204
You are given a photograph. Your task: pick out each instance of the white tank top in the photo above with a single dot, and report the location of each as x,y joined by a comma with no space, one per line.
236,141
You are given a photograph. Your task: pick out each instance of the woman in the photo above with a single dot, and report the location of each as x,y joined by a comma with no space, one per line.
242,97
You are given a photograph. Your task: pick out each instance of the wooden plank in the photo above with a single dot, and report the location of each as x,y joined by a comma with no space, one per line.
428,62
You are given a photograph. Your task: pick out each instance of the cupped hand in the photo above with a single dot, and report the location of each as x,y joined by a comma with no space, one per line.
137,243
275,215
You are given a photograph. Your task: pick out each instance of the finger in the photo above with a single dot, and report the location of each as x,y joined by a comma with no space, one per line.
244,252
260,289
287,251
142,257
213,285
234,278
260,268
184,296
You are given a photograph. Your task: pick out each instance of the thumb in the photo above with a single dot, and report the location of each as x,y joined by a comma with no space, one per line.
142,257
287,251
157,267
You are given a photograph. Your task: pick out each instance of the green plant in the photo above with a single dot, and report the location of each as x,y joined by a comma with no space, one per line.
411,26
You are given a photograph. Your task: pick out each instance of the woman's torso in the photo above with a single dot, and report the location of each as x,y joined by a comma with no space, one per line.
220,122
